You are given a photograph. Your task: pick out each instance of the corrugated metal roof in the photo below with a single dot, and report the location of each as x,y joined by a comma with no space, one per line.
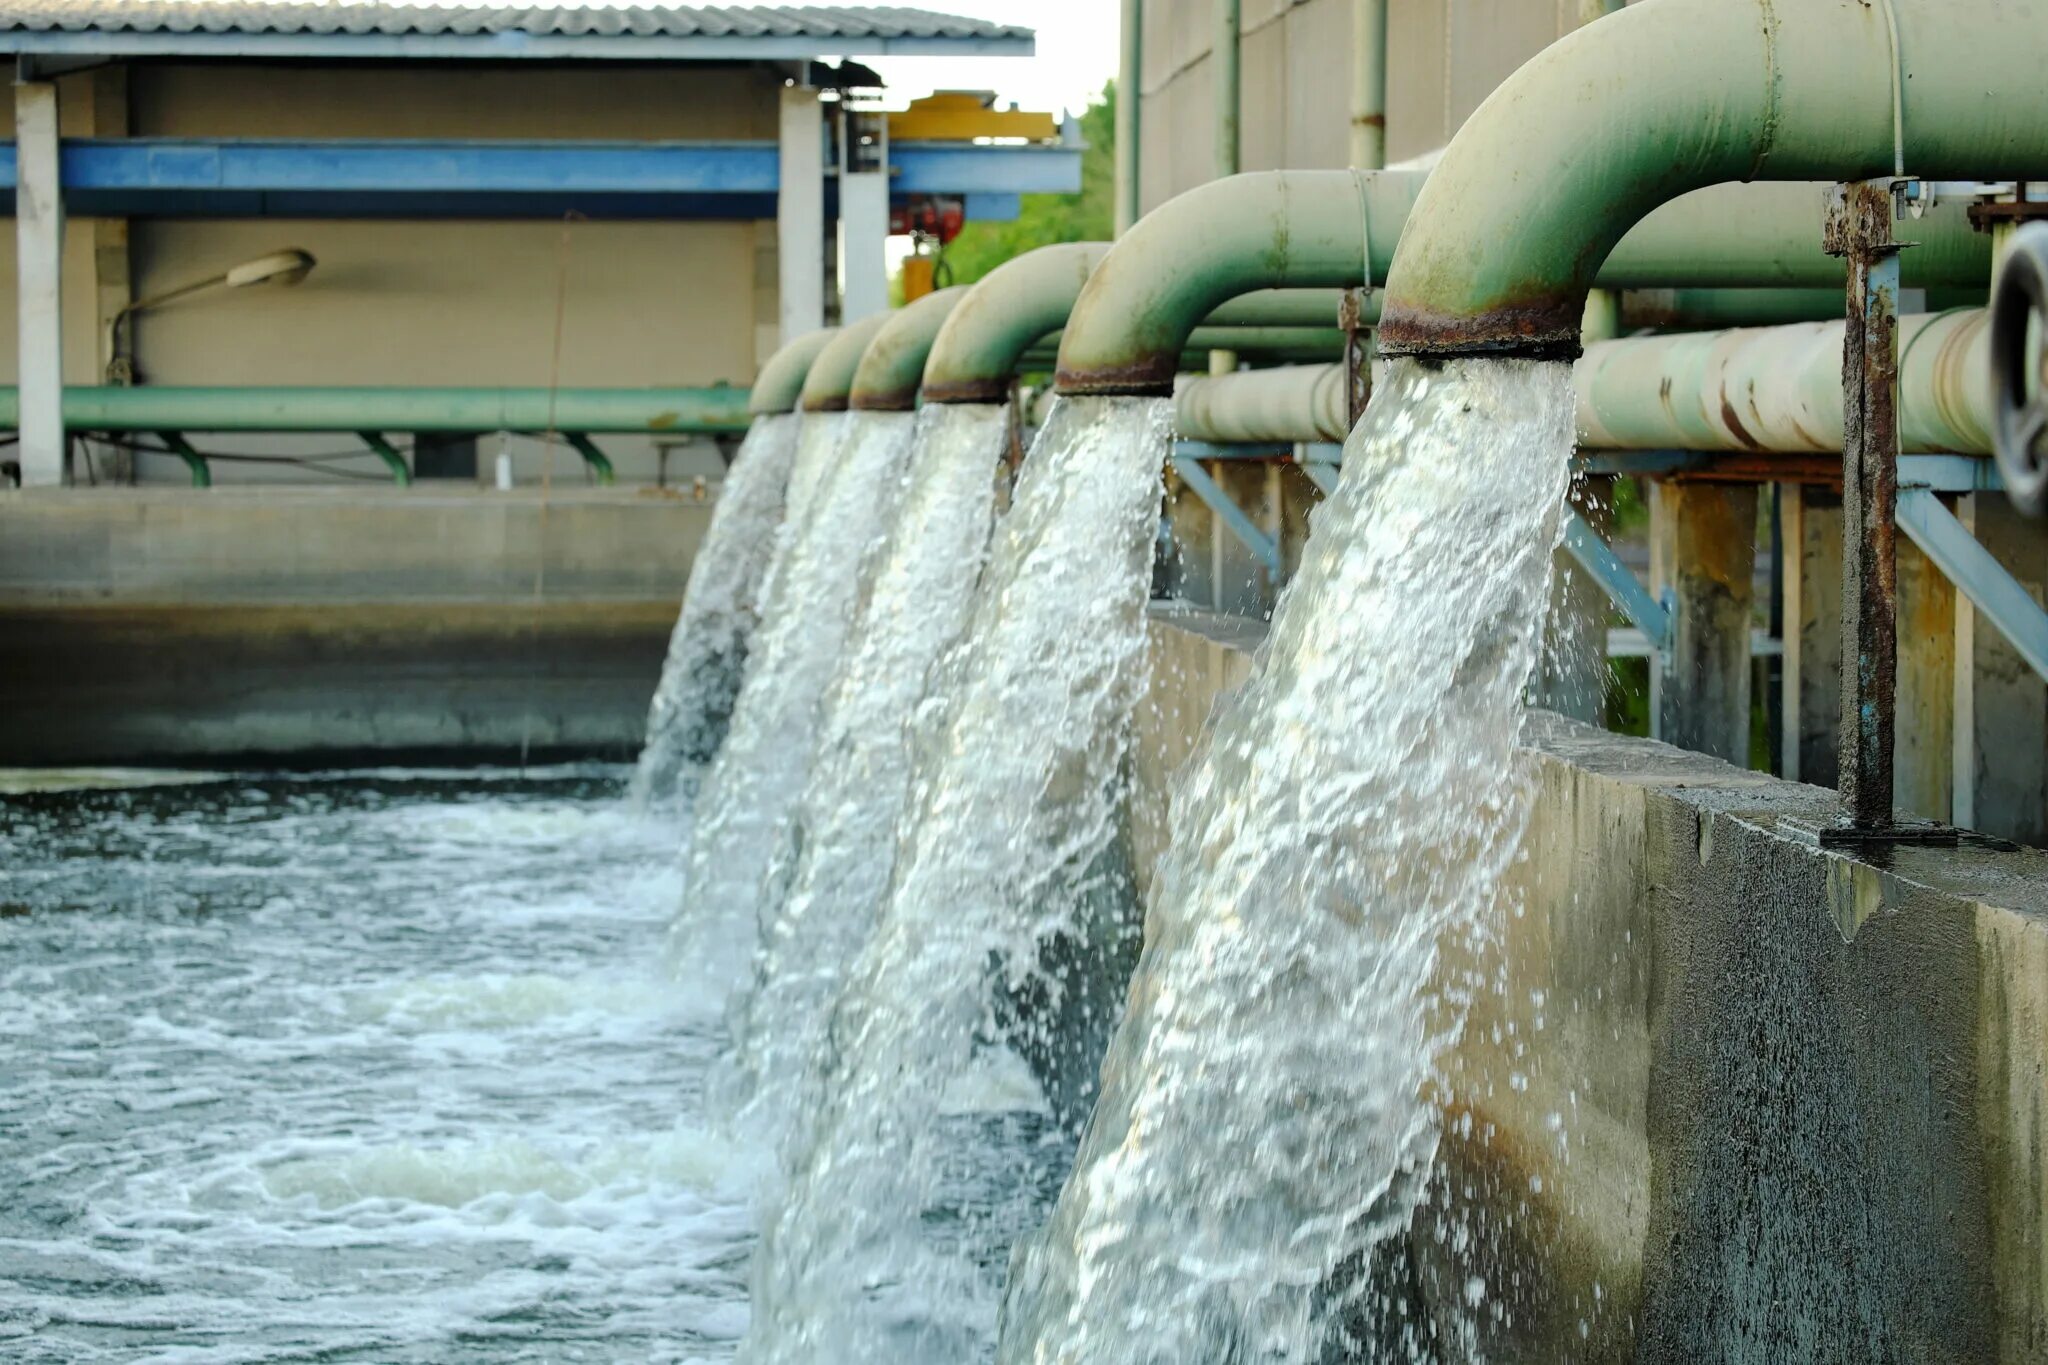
837,28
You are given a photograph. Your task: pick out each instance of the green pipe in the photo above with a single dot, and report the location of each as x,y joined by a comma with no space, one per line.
1263,342
1015,305
1287,404
1281,308
781,380
1226,54
595,460
1130,98
893,366
1667,96
1263,230
202,473
153,407
830,380
1779,389
393,461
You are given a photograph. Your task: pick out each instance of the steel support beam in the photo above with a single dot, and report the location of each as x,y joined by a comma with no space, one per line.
1263,547
1992,590
1593,554
39,296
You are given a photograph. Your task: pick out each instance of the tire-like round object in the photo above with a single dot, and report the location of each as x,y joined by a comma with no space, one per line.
2019,305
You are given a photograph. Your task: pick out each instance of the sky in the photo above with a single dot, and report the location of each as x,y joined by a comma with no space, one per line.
1077,55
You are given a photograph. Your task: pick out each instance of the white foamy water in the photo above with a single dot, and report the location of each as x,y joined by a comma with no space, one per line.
375,1067
1266,1119
942,1107
842,845
707,654
813,597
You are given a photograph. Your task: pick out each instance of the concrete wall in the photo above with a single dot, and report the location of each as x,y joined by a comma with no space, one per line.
208,627
1443,58
448,302
1729,1098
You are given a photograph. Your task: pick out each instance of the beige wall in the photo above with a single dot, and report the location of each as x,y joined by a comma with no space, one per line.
1444,57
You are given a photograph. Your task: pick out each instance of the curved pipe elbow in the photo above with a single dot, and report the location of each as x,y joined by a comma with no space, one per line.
1185,259
829,385
892,368
1668,96
781,381
1016,304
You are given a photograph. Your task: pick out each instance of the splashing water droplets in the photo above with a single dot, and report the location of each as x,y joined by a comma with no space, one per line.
1267,1116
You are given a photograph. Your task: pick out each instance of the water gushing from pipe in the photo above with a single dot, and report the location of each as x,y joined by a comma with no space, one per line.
812,596
707,654
837,861
961,1055
1268,1111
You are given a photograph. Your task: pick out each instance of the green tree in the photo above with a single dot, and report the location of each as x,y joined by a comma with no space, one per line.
1047,218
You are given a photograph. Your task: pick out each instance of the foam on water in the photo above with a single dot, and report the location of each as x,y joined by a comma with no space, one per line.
1267,1118
753,784
1002,946
357,1067
842,844
686,722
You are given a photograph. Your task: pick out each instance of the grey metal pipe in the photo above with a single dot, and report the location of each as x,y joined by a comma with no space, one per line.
1774,390
781,381
1290,403
1368,84
1226,55
829,385
1668,96
892,367
1129,107
1779,389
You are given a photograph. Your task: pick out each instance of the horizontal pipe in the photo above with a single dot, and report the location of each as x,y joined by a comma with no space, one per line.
1280,308
153,407
892,368
1003,315
1668,96
1291,403
1771,390
1265,343
1779,389
781,381
829,385
1268,229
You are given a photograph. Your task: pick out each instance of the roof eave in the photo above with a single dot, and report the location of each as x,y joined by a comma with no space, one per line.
503,46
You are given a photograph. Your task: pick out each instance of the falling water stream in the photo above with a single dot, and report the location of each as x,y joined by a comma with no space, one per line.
940,1112
708,651
836,861
1267,1115
813,596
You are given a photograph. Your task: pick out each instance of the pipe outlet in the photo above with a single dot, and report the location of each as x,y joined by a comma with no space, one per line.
781,381
829,384
1020,301
1668,96
893,365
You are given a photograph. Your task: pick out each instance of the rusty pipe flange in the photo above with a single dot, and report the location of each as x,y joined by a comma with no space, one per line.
2019,370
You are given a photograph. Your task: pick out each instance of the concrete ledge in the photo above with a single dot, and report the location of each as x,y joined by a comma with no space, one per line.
1724,1097
272,544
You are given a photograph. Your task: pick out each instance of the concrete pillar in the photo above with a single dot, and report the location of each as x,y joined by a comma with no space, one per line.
1812,698
800,213
2001,704
1923,747
1708,533
1572,678
39,250
863,243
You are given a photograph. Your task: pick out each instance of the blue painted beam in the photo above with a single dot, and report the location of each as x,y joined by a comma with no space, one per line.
1262,546
259,177
1976,574
1618,581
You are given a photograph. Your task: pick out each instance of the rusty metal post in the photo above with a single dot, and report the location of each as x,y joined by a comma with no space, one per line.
1353,313
1860,227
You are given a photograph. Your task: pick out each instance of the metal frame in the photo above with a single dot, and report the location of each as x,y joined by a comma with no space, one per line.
1647,612
1976,574
1263,547
123,177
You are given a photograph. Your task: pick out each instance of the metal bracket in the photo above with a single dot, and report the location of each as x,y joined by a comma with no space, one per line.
202,473
1263,547
593,459
393,461
1354,317
1618,581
